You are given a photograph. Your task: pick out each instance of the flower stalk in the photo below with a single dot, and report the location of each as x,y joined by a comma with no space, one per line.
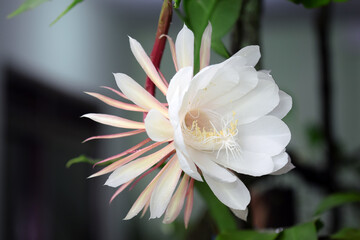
159,45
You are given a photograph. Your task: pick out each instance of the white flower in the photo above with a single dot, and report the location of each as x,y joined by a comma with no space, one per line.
224,120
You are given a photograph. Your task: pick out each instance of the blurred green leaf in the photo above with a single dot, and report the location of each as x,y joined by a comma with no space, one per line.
221,214
347,234
219,47
300,232
315,3
177,3
246,235
315,135
221,13
27,5
73,4
336,200
80,159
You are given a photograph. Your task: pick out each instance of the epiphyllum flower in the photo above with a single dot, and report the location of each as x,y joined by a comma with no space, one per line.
224,120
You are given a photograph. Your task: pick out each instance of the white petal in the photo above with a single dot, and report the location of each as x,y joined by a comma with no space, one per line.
144,197
282,164
186,163
234,195
205,47
164,189
146,64
179,85
257,103
209,167
184,48
267,135
172,49
284,106
136,167
215,84
242,214
246,81
158,128
177,201
200,81
114,121
138,94
251,53
141,201
188,166
254,164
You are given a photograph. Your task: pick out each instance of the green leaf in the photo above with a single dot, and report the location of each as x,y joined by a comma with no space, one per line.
73,4
80,159
27,5
347,234
336,200
300,232
315,135
219,47
221,13
246,235
177,3
222,216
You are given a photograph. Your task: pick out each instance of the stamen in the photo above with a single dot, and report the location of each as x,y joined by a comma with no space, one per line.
201,132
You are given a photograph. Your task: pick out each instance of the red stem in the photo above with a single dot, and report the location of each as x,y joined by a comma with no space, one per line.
159,45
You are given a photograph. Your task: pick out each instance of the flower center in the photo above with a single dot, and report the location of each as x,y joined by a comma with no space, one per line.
208,131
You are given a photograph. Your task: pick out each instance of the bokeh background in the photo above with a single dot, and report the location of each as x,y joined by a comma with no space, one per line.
44,71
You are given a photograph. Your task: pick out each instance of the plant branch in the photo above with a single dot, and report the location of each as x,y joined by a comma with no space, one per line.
159,45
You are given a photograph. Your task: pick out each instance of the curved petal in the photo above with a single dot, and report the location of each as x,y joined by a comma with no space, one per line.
251,53
189,203
234,195
257,103
284,106
184,46
267,135
216,84
242,214
282,164
209,167
158,128
146,63
249,163
179,84
172,50
186,163
136,167
255,164
205,47
232,84
164,189
144,198
114,121
116,135
116,103
177,201
280,160
138,94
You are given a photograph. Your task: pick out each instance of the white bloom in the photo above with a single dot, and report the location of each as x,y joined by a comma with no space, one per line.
223,120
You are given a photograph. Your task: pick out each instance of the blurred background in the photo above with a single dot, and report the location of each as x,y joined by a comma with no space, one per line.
45,70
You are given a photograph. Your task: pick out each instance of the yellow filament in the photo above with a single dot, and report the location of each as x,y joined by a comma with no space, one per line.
212,134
